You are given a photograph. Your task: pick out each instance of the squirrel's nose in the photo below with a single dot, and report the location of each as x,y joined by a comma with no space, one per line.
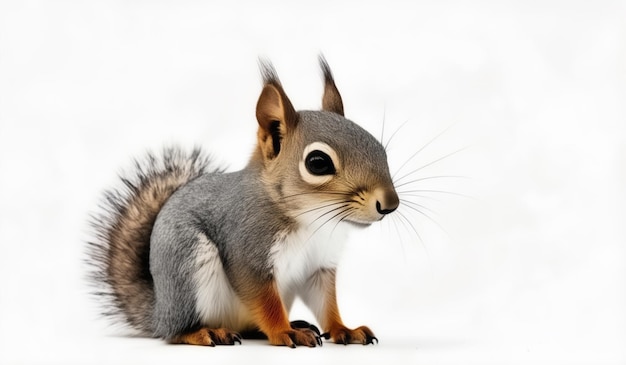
387,201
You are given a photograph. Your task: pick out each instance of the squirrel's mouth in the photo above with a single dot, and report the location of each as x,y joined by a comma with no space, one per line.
359,224
364,219
359,221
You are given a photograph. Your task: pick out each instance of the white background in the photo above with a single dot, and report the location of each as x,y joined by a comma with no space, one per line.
530,268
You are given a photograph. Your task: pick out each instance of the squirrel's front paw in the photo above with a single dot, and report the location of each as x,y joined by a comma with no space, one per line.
344,335
296,337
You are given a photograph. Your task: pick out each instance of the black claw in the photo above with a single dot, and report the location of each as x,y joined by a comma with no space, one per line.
232,338
326,335
315,329
370,340
299,324
319,341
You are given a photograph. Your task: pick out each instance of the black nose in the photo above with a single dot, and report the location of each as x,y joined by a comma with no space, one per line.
386,200
387,209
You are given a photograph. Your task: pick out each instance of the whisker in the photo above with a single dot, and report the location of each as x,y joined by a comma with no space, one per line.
324,192
320,207
430,178
429,164
402,218
426,215
346,214
329,212
418,196
420,150
395,220
382,133
435,191
409,202
329,219
407,221
394,133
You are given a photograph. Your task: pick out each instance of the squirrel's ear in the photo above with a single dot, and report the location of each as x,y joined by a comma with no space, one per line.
331,101
274,112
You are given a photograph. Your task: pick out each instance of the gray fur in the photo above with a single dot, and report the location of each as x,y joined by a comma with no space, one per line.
229,209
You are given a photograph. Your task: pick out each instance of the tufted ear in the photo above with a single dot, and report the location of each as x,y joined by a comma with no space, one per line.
274,112
331,101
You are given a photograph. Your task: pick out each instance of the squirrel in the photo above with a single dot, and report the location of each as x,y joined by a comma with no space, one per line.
191,254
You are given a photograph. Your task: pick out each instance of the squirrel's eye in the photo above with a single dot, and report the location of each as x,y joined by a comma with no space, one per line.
319,163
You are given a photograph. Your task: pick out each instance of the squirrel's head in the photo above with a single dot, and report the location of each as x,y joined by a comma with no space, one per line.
318,163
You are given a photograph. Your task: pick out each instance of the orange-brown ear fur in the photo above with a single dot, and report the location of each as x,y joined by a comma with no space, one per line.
331,101
274,112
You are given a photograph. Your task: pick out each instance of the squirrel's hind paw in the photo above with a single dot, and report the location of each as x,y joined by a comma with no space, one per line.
208,337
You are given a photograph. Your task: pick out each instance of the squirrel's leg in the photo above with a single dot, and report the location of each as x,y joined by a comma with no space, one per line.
321,297
271,316
208,337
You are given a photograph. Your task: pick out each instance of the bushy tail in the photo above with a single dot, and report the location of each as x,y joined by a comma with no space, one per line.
120,250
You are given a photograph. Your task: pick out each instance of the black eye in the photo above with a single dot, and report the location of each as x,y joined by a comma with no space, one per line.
319,163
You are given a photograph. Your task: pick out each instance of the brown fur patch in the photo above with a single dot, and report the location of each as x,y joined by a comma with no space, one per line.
272,318
269,312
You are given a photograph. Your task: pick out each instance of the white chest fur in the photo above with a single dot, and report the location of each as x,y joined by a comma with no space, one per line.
295,256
